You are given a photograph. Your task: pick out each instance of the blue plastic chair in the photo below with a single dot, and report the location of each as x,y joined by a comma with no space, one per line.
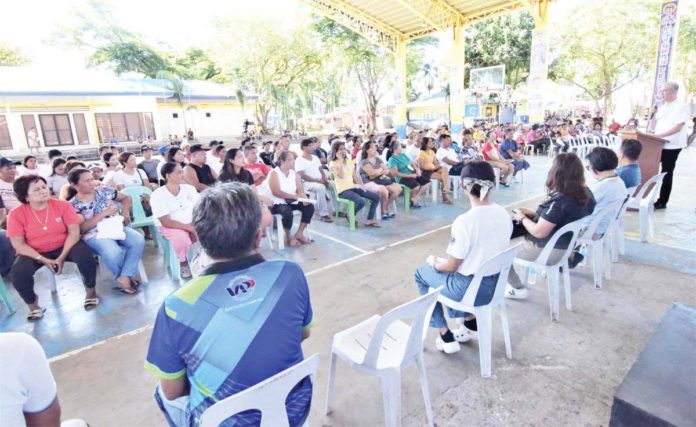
140,220
5,297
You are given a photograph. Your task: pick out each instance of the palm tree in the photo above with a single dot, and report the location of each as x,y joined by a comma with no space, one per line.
178,87
239,93
429,73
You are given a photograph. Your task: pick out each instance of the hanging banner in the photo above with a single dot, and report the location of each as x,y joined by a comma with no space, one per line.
668,33
538,74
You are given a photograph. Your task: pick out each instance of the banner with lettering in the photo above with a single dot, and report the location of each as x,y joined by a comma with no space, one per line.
668,33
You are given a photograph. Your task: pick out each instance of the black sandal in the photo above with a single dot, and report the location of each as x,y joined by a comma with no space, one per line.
91,303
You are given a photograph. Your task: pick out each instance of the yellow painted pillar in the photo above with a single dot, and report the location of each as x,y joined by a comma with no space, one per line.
456,81
400,89
539,61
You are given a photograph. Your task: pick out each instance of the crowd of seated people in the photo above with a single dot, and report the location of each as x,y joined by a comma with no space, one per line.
57,220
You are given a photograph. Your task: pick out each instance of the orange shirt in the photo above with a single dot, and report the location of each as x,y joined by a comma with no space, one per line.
24,221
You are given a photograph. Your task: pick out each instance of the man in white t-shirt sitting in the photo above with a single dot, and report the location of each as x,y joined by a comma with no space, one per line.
28,394
413,145
479,234
308,166
447,157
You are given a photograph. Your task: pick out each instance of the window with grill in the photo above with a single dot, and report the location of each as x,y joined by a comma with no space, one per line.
81,129
56,129
5,140
124,126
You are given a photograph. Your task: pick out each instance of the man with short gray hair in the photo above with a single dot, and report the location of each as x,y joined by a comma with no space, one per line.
236,325
670,123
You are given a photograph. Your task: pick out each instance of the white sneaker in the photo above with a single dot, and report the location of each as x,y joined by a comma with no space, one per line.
446,347
464,334
513,293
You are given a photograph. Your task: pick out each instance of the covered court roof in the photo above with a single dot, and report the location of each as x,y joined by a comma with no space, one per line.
386,22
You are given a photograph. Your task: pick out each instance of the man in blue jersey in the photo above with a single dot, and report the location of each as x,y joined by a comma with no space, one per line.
236,325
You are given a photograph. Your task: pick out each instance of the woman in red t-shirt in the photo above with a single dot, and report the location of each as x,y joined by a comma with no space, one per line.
46,232
490,155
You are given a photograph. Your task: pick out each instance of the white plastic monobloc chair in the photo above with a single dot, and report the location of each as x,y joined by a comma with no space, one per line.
618,238
553,271
601,249
382,346
54,286
280,232
645,205
268,397
498,264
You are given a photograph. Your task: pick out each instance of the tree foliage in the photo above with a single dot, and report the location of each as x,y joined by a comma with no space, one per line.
613,45
503,40
269,61
110,44
11,56
370,65
685,61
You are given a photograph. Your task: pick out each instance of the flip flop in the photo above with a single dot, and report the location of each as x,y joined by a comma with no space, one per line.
372,224
91,303
36,314
127,291
305,241
135,283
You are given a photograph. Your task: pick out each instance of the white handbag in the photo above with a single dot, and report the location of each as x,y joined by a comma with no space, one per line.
111,228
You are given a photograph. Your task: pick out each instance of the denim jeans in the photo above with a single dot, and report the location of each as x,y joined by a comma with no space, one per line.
356,195
455,286
176,411
121,257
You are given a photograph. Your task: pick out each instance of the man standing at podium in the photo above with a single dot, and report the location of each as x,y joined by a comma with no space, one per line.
670,123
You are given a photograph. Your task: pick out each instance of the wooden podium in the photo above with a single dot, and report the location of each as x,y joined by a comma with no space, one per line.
651,154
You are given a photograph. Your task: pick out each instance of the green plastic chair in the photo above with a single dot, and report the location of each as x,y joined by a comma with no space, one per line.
139,218
5,297
349,205
407,197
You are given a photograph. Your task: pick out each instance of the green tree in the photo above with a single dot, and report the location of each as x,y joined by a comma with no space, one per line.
685,60
369,64
109,43
613,45
195,64
503,40
269,60
11,56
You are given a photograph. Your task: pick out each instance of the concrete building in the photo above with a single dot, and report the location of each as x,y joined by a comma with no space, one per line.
85,108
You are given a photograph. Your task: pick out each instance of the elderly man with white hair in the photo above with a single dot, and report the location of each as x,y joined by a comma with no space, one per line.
670,123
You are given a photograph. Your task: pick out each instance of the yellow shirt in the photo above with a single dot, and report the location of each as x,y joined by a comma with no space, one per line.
426,158
345,183
478,136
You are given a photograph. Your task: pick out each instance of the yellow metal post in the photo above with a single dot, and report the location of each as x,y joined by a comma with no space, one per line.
539,61
400,89
456,83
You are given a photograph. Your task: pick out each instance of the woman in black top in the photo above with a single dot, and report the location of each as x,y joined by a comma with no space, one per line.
233,168
569,200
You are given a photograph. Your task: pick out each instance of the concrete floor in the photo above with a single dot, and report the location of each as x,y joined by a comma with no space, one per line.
560,372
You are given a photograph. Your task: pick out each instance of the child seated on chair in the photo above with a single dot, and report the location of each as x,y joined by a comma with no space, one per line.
477,235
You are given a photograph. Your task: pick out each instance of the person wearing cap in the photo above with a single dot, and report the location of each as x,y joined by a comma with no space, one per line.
149,164
8,173
197,172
